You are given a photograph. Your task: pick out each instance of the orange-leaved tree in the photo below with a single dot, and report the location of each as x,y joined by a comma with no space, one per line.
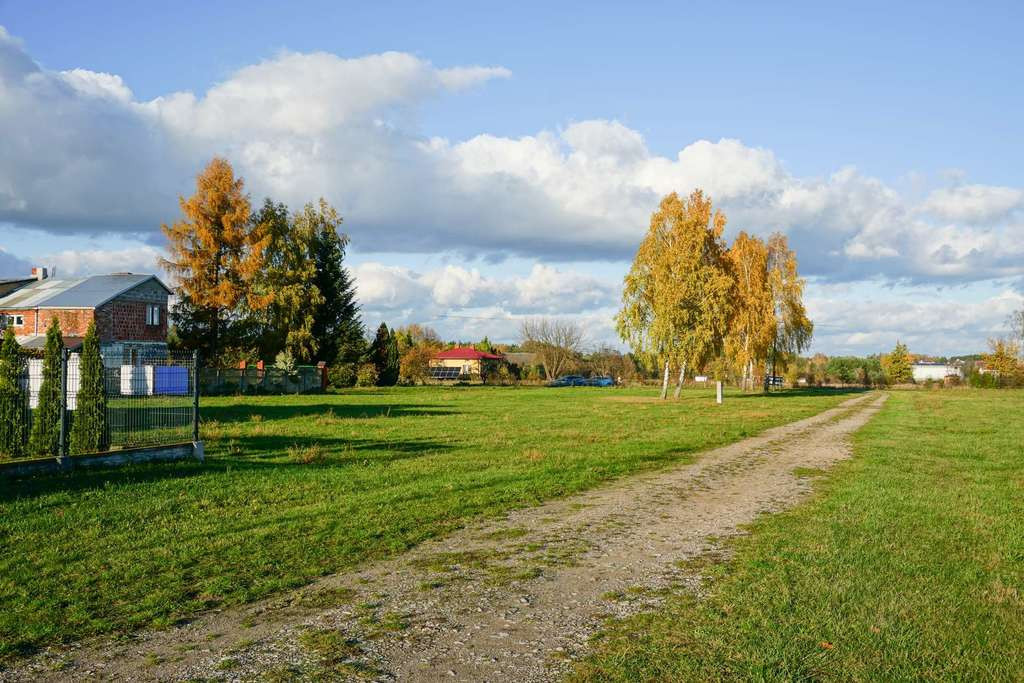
215,254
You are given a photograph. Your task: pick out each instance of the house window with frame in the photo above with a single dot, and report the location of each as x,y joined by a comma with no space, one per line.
152,314
14,320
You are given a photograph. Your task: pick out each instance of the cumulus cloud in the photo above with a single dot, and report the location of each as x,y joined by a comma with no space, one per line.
974,203
927,322
89,155
73,263
544,290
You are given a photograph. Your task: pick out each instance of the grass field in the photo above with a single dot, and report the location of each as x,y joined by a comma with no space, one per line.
296,487
908,565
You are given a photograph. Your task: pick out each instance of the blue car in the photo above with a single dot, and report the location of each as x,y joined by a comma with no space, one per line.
601,382
569,381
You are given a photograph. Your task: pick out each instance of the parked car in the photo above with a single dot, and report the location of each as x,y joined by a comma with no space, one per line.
569,381
601,382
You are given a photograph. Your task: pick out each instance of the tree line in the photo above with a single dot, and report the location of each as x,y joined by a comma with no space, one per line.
692,303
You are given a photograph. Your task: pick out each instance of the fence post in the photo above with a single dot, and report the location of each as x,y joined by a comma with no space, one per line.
63,445
195,396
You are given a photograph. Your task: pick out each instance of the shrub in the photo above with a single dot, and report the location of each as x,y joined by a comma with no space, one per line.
342,375
89,429
367,375
414,366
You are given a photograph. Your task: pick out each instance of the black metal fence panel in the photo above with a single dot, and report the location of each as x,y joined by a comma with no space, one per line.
303,379
150,401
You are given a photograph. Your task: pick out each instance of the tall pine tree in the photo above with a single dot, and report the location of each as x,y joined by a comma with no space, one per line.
89,428
13,427
45,438
336,322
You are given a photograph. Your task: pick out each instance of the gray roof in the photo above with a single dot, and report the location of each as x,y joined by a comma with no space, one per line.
521,358
38,341
89,292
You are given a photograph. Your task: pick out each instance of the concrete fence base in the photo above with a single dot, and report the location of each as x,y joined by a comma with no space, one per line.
127,456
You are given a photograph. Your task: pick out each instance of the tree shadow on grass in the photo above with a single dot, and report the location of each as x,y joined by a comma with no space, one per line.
239,455
245,411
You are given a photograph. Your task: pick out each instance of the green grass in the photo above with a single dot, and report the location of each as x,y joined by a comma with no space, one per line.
908,565
297,487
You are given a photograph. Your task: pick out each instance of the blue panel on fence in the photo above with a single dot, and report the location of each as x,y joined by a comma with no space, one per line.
170,379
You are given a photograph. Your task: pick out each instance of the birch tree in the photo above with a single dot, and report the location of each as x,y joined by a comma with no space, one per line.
676,297
753,325
793,329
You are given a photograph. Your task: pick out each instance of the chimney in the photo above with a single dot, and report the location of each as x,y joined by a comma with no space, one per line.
39,273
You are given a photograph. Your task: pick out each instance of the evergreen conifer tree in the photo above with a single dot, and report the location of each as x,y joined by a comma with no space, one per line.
89,429
13,431
45,437
384,355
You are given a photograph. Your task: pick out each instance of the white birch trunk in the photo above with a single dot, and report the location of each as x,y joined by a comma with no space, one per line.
664,383
679,384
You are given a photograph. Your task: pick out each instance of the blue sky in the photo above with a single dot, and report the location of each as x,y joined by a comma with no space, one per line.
849,123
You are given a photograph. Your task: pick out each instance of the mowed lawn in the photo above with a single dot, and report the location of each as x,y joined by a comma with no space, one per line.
908,565
296,487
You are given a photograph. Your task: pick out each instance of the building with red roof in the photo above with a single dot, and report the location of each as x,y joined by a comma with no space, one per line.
463,361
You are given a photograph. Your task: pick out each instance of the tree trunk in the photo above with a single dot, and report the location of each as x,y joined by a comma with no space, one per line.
664,383
679,384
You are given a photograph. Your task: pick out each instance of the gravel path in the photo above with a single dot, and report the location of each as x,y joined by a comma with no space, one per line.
515,598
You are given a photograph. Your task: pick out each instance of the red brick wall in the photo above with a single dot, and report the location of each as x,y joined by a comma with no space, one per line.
125,320
73,322
117,320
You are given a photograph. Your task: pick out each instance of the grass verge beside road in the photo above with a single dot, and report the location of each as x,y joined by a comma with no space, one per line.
907,565
301,486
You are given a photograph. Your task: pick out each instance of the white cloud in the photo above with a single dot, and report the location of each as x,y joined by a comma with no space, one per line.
69,262
543,291
90,158
301,125
929,322
95,84
974,203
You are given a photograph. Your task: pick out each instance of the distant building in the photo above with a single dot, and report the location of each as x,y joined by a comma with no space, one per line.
937,372
463,361
130,312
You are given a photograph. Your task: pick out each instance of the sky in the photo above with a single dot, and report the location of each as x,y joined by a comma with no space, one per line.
496,163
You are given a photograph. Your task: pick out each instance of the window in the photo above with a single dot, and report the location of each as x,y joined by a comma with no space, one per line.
152,314
15,320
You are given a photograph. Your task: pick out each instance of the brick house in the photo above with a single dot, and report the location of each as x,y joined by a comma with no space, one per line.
130,311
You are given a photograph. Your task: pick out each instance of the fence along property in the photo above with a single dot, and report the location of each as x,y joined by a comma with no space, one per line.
152,409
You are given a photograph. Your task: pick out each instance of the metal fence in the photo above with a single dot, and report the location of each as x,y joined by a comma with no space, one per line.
253,380
149,399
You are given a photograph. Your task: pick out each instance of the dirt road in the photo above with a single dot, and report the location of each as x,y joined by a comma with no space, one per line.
515,598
